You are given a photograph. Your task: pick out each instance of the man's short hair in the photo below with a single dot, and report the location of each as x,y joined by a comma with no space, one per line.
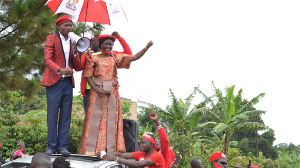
41,160
196,163
60,162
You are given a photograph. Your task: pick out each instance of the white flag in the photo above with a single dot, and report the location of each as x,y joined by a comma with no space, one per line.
115,11
71,7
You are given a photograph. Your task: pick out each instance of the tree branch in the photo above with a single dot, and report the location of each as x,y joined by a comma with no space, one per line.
8,33
5,27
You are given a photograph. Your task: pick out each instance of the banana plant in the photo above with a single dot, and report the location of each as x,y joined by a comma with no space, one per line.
229,114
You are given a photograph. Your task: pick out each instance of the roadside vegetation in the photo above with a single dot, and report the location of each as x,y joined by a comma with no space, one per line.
222,122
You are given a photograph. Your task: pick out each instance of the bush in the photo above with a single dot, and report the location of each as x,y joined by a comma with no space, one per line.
33,132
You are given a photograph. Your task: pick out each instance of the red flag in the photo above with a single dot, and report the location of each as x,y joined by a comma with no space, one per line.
97,12
53,4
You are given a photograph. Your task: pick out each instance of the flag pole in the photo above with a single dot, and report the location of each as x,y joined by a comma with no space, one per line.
87,6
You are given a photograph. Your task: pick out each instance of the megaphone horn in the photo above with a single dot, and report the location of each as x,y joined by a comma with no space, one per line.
82,43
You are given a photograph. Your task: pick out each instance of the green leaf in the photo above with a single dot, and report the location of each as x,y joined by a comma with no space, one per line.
254,112
252,102
233,143
206,125
230,103
220,127
194,120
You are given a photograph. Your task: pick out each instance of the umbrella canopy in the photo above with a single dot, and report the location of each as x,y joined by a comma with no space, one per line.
97,11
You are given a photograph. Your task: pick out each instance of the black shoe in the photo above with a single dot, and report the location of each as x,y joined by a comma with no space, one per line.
50,152
65,153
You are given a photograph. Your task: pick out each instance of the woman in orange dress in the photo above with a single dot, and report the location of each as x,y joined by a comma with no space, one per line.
103,124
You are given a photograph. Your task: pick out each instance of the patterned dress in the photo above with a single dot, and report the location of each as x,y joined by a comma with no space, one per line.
103,124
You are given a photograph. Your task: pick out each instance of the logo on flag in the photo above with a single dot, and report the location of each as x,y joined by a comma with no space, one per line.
71,4
114,8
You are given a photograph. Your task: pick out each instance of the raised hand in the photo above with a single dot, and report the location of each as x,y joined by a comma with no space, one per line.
150,43
115,34
153,116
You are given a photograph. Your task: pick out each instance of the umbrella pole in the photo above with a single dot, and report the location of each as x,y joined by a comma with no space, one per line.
87,6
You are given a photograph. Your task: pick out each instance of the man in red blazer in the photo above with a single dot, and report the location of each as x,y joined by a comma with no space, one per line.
61,57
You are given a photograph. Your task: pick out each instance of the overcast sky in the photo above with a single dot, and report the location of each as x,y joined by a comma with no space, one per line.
251,44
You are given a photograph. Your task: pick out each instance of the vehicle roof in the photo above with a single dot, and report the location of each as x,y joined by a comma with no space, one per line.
76,161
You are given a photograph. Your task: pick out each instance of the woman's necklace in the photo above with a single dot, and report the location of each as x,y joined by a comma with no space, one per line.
97,52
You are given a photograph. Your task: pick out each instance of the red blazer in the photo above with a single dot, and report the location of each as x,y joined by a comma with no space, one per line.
55,59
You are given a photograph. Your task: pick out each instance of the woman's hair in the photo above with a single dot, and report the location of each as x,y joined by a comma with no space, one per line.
102,41
22,145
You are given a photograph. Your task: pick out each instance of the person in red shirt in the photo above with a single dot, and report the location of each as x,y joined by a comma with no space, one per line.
163,143
254,166
218,160
147,157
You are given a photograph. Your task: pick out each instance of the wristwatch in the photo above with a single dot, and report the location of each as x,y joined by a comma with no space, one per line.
159,127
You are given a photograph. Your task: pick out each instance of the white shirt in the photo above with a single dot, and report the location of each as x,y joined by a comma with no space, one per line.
66,47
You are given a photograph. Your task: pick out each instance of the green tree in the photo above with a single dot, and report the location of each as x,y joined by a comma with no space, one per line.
143,116
181,119
125,107
10,99
20,105
291,147
230,115
24,25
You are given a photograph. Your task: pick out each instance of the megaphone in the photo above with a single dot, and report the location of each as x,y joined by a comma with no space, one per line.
82,43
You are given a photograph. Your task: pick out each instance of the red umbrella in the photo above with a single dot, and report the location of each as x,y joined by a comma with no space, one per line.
89,10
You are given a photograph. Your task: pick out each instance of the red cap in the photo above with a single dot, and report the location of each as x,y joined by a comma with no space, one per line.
255,166
63,19
216,156
149,138
103,36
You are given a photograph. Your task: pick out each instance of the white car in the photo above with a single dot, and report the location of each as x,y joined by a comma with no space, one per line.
77,161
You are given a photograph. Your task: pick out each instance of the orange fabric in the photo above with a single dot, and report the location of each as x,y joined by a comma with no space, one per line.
83,80
126,49
105,69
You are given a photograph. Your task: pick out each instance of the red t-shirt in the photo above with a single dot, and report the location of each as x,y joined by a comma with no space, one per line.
156,157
